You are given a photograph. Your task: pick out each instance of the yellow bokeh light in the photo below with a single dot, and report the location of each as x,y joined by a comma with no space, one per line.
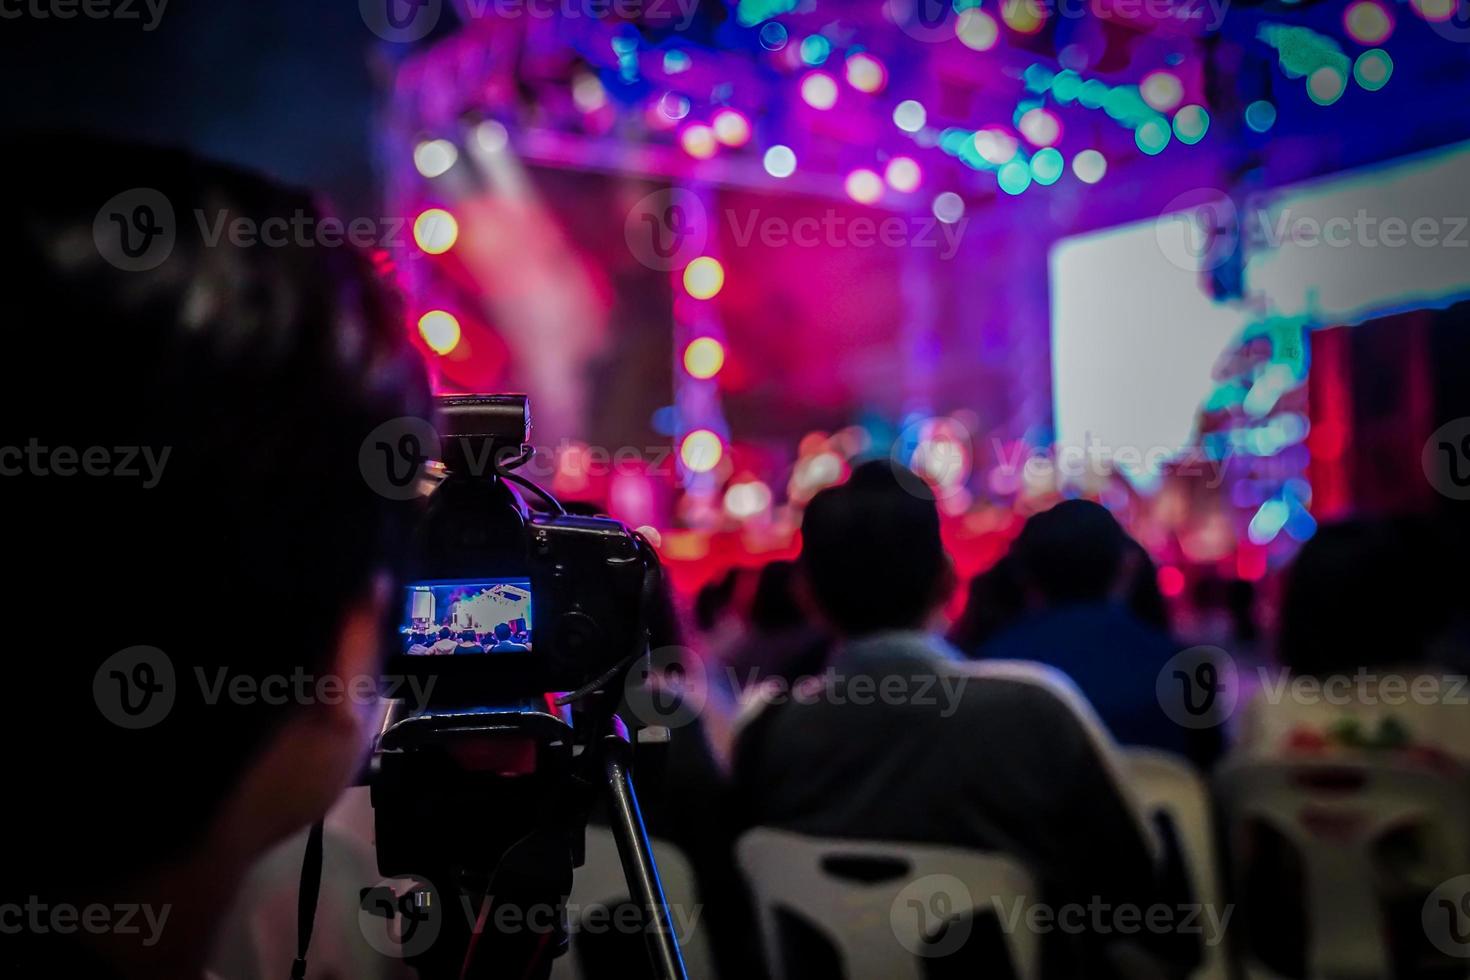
440,331
701,451
435,231
704,277
704,357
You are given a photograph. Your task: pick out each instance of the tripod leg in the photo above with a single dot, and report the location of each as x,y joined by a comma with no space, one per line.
638,866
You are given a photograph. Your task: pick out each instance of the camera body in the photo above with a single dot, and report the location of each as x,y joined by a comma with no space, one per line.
478,551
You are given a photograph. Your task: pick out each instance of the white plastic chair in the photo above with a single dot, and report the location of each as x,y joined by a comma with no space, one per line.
600,883
1333,811
871,924
1166,784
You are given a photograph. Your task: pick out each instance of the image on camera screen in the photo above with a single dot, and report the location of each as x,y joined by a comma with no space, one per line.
467,617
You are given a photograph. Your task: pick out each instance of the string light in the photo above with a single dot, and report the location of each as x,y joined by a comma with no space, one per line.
704,357
976,29
819,91
440,330
903,175
433,158
731,128
701,451
1089,166
909,116
864,186
704,277
435,231
699,141
779,161
866,73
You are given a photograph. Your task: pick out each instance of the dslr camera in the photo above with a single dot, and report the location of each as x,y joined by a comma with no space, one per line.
523,625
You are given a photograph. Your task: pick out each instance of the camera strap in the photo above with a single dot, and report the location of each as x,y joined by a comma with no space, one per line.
306,898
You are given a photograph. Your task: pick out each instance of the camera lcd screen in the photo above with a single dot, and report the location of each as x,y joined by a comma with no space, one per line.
465,617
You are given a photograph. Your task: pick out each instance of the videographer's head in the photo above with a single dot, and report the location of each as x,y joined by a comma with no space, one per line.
188,481
1074,552
872,555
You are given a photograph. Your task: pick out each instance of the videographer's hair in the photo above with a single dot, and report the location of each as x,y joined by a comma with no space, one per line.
871,551
259,371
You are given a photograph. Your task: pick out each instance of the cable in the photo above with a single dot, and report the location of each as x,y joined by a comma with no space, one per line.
503,470
306,898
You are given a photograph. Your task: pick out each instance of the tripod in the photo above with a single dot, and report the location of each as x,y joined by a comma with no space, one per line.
487,809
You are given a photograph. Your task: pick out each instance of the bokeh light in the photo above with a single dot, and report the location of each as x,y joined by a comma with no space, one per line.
704,277
1191,123
976,29
1089,166
440,330
815,49
1325,85
435,231
1373,69
1014,177
1260,115
1040,127
909,116
492,136
699,141
995,145
731,128
949,207
433,158
704,357
864,186
866,73
818,90
1367,22
1152,136
779,161
1047,166
903,175
773,35
701,451
747,499
1023,16
1162,90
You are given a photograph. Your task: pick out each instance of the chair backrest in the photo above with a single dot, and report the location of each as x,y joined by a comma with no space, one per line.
1166,784
881,928
1333,811
599,883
